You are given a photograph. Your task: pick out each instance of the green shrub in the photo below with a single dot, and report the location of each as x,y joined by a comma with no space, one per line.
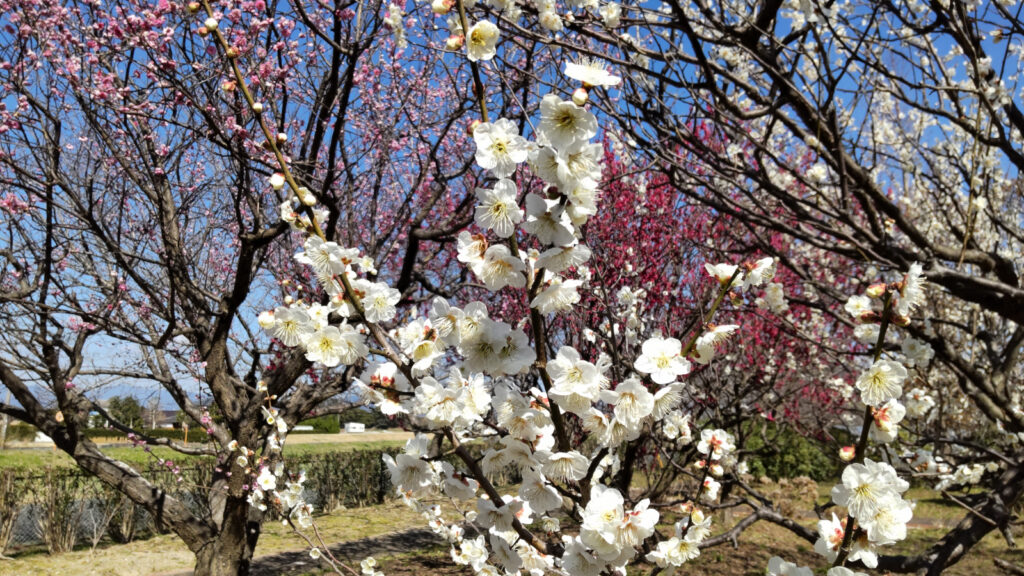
781,452
368,418
327,424
21,432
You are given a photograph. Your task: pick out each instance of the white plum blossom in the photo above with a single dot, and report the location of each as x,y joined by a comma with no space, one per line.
542,496
882,382
774,298
482,41
409,473
662,359
610,14
717,444
888,524
632,401
885,424
576,383
867,486
497,209
706,342
578,560
760,272
547,220
563,466
334,345
918,402
779,567
379,303
726,274
559,296
564,123
911,291
292,325
676,426
917,352
561,258
858,306
499,147
266,480
666,399
867,333
591,73
500,269
472,248
471,553
844,571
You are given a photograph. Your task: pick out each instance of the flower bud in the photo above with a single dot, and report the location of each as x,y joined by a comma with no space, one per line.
440,7
472,126
202,31
277,181
281,138
876,290
901,321
257,107
193,7
869,317
455,42
580,96
266,319
210,24
232,52
846,453
229,86
697,516
717,470
306,197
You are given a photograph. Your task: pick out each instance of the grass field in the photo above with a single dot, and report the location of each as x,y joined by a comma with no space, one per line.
27,456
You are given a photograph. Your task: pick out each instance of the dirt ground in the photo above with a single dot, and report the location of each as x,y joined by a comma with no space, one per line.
396,536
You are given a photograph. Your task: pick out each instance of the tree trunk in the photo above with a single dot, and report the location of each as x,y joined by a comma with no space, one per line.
230,552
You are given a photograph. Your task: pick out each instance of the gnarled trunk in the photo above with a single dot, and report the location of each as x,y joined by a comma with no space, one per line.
230,552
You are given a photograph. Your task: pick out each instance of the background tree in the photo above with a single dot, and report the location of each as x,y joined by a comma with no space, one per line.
126,410
143,232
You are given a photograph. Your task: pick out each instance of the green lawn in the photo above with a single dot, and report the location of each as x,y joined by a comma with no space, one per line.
36,458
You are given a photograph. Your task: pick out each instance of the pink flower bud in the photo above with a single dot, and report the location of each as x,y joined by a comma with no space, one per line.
455,42
876,290
846,453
